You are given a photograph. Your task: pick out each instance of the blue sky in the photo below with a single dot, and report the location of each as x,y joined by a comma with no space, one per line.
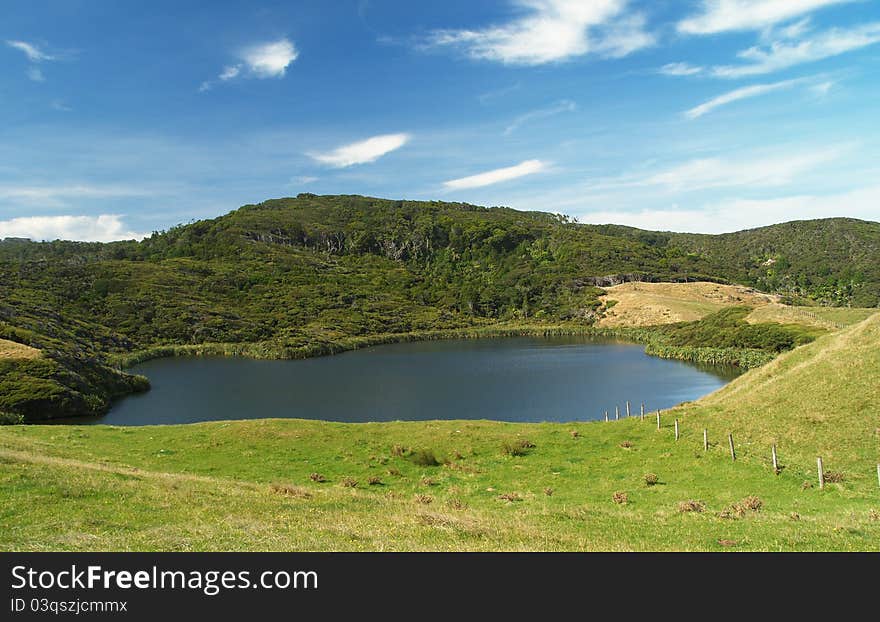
118,118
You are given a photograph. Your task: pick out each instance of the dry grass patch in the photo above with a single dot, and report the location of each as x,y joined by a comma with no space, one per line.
650,304
13,350
691,505
620,498
289,490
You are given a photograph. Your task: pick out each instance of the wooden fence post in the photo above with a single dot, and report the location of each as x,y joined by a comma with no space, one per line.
705,439
732,450
658,419
676,429
775,461
821,473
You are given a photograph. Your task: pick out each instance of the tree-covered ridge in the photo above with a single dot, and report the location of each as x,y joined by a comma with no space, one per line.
292,273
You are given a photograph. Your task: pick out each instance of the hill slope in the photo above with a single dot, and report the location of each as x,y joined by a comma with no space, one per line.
821,399
310,274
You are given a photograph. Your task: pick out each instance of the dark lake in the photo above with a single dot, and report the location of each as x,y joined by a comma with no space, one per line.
514,379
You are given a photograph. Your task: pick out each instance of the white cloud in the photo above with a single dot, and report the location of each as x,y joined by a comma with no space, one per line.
103,228
266,60
738,214
362,152
269,60
742,93
230,72
529,167
554,30
784,54
747,171
732,15
564,105
680,69
304,179
34,54
57,196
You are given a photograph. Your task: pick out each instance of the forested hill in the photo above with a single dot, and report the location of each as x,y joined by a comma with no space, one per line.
310,274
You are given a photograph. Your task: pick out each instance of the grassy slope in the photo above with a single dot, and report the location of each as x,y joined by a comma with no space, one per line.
819,400
212,482
650,304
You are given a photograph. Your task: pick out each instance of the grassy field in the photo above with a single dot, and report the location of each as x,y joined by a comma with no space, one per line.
651,304
454,485
820,317
13,350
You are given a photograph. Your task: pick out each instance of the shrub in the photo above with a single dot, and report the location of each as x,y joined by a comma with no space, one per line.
428,481
691,505
651,479
516,447
457,504
620,498
374,481
349,482
424,458
575,434
549,492
424,499
745,506
626,444
317,477
399,451
510,496
11,418
394,472
833,477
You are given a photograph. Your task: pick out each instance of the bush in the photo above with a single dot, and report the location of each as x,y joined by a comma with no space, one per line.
691,505
11,418
651,479
375,480
620,498
349,482
516,447
317,477
424,458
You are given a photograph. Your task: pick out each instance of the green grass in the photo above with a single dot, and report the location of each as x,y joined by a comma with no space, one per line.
248,485
209,487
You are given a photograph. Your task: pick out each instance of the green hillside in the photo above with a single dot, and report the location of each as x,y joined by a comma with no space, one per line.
316,274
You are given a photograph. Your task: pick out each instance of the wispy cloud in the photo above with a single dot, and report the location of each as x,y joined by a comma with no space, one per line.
745,92
553,30
103,228
529,167
35,74
718,16
784,54
35,55
761,170
265,60
362,152
737,214
58,195
32,51
559,107
680,69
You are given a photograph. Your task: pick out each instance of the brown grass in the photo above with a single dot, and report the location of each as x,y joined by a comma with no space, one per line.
691,505
650,304
289,490
12,350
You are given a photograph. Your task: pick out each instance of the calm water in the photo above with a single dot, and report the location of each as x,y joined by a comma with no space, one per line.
517,379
